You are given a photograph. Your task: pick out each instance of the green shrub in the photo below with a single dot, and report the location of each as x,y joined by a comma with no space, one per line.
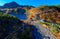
54,28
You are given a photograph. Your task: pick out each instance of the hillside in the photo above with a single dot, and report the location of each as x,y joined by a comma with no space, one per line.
48,13
13,28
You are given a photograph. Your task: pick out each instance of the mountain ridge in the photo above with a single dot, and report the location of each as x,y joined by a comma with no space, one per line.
14,5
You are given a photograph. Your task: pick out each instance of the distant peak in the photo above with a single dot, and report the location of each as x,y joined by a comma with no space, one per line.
13,2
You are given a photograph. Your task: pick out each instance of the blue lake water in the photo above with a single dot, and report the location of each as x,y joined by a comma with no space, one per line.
20,16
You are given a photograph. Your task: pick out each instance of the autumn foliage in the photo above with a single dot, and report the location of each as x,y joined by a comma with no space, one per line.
31,13
49,13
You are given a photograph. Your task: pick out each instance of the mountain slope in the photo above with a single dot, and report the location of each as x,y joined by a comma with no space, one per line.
12,28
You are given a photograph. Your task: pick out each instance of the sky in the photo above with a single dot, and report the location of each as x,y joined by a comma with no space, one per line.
35,3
